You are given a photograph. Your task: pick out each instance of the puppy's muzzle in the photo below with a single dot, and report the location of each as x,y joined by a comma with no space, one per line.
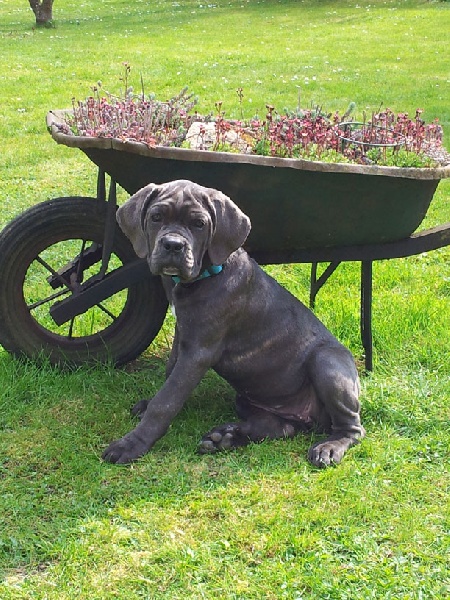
172,256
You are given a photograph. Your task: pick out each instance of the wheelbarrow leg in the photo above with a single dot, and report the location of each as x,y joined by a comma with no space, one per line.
316,284
110,224
366,312
101,185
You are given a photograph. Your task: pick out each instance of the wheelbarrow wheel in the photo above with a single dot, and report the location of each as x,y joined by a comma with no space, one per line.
40,264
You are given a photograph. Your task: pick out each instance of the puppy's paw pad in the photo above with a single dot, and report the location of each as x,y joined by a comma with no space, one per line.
225,437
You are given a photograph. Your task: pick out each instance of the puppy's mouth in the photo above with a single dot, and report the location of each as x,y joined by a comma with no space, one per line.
181,275
183,272
171,271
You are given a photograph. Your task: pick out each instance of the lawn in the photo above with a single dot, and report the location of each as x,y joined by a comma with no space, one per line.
259,522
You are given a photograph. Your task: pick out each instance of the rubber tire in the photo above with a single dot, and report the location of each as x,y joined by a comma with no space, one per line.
40,227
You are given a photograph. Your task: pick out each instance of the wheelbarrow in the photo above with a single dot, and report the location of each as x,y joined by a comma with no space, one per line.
73,291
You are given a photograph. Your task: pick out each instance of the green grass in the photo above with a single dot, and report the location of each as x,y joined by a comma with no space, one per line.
259,522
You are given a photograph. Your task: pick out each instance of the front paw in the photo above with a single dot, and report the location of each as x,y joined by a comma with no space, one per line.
330,451
125,450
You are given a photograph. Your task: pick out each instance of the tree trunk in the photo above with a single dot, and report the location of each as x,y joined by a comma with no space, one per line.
43,11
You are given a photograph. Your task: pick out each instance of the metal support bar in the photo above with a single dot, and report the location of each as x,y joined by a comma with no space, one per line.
93,292
110,227
79,264
366,312
316,283
101,185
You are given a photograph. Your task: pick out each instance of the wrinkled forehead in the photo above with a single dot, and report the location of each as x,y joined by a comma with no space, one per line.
182,199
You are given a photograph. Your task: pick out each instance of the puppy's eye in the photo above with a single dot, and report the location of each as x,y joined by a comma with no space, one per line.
156,217
198,223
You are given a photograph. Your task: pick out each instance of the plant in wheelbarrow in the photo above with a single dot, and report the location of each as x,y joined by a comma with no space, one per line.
383,137
330,187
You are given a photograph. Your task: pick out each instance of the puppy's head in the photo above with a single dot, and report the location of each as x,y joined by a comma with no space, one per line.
182,228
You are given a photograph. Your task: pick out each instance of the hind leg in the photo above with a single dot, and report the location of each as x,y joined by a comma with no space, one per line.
335,379
256,425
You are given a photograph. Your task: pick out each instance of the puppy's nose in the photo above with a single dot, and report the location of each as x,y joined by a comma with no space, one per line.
172,244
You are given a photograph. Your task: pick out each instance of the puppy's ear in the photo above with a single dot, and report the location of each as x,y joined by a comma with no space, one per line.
232,227
131,216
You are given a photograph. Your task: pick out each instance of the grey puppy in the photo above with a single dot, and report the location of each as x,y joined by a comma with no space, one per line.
290,374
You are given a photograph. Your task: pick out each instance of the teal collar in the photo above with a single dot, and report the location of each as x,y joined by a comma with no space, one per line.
209,272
